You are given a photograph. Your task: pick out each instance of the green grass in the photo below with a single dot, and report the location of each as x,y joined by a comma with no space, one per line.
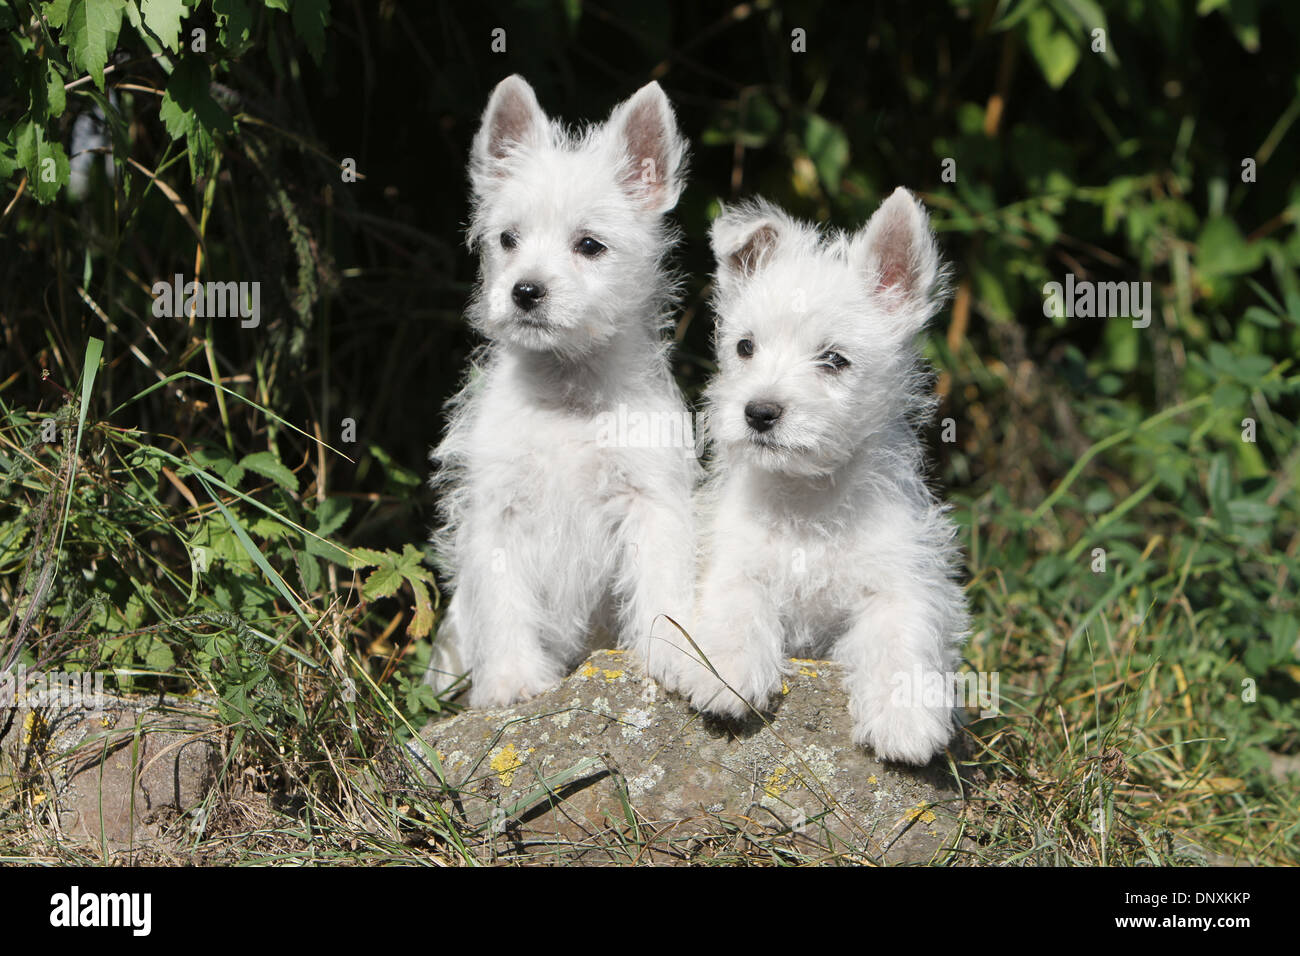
1124,738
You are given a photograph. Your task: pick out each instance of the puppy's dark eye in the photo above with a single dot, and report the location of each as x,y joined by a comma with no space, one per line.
589,247
832,361
509,240
745,348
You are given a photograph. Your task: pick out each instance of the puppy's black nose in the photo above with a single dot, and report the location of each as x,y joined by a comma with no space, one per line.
762,415
527,294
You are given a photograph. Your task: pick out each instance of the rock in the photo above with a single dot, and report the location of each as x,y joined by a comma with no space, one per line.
119,776
609,760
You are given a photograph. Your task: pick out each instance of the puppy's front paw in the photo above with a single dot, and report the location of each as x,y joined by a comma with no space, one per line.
503,689
902,732
742,684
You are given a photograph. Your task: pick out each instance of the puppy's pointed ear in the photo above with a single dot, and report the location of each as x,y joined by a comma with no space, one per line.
644,130
743,238
512,119
899,260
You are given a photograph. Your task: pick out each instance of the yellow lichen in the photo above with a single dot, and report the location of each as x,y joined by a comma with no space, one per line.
33,724
589,670
920,812
804,667
505,762
612,676
872,780
777,784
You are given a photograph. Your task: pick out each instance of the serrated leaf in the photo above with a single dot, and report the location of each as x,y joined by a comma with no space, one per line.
159,656
308,572
90,32
331,514
382,582
45,161
266,465
329,551
164,18
422,622
367,557
56,97
57,12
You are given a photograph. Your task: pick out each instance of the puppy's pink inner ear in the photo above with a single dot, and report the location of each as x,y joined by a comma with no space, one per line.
646,138
748,257
894,256
512,123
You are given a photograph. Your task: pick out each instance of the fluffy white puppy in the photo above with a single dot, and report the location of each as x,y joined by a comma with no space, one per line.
559,522
823,538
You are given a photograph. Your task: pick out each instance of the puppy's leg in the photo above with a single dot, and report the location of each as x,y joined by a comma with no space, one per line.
900,657
501,617
655,580
447,663
739,633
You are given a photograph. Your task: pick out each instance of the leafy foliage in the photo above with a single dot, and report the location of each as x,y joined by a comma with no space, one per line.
1128,493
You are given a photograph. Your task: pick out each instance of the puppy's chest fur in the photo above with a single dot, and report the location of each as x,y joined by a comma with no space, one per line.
815,582
814,569
546,456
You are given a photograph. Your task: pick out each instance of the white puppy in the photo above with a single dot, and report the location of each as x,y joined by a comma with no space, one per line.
823,537
557,522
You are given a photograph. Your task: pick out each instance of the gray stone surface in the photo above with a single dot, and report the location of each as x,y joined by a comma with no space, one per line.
121,775
633,763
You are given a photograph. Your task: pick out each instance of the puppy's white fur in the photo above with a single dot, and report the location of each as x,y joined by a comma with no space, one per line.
551,533
823,537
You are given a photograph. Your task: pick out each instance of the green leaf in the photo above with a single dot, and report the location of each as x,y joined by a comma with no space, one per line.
189,110
422,622
188,89
90,32
235,18
1055,51
828,148
266,465
57,13
159,656
164,17
308,572
1262,317
331,514
56,98
367,557
45,161
310,17
382,582
1222,250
